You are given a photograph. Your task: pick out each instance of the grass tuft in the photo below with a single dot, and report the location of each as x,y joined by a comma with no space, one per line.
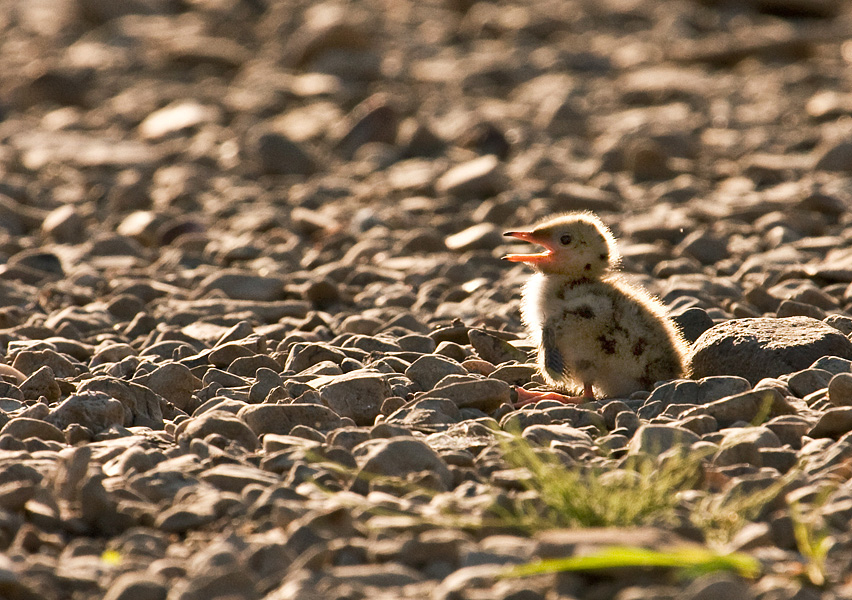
641,492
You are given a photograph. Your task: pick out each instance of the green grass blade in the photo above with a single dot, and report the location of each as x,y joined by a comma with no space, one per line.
692,559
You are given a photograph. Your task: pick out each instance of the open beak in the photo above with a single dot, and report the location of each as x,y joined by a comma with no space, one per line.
532,259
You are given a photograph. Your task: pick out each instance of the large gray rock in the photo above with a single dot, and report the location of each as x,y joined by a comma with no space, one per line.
765,347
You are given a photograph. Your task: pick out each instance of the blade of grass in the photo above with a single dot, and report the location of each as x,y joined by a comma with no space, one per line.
690,559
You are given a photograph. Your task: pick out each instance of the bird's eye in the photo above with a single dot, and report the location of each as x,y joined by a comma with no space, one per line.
565,239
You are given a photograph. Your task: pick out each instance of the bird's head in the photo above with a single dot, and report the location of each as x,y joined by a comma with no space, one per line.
578,245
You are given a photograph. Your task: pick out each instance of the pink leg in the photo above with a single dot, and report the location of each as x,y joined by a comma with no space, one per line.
529,396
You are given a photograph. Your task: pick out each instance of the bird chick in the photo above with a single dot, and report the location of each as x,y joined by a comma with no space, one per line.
593,330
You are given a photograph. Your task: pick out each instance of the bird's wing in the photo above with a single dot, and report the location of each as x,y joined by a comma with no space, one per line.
552,356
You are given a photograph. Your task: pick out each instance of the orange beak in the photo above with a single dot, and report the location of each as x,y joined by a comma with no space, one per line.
532,259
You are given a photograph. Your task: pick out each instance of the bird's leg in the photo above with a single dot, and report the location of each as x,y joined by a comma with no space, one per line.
529,396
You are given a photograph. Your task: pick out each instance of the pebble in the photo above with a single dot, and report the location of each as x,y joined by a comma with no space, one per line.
93,410
357,396
220,423
275,154
494,349
481,177
484,394
744,407
281,418
429,369
400,457
657,439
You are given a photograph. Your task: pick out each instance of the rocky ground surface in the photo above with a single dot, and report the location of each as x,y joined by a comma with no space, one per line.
258,340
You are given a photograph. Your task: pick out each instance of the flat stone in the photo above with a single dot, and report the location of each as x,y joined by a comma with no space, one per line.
243,285
281,418
176,117
494,349
481,177
703,391
484,394
481,236
233,478
747,406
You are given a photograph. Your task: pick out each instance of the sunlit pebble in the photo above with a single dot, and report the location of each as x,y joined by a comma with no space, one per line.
846,51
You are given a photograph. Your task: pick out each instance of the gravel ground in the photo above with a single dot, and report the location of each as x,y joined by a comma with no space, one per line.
258,338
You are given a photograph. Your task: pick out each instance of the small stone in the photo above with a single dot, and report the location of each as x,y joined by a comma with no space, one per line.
244,285
656,439
22,428
176,118
717,585
174,382
429,369
374,120
743,445
543,435
94,410
703,391
400,457
478,178
515,374
137,585
808,381
275,154
234,478
747,406
840,389
833,423
142,406
482,236
41,383
358,396
65,225
484,394
305,355
837,157
29,361
494,349
218,422
281,418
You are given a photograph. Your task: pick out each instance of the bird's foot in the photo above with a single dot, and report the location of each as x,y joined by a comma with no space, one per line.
530,396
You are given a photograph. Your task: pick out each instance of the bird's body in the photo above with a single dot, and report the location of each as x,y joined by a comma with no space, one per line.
594,331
